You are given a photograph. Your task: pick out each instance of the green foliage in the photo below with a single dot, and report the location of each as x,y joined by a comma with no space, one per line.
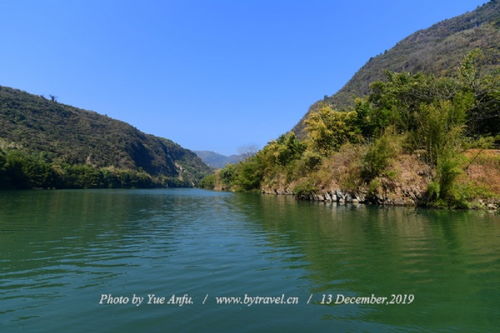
286,149
367,119
305,188
227,174
277,156
433,112
468,71
448,169
21,170
398,100
440,127
249,174
379,154
484,117
484,142
208,182
327,130
444,191
309,162
374,185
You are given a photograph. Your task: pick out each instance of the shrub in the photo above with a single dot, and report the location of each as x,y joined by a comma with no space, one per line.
249,174
305,188
208,182
443,190
379,154
327,130
309,162
227,174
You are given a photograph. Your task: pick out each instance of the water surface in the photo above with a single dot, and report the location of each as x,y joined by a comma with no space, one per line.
60,250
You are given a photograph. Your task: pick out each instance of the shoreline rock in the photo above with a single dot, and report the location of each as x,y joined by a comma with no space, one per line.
409,198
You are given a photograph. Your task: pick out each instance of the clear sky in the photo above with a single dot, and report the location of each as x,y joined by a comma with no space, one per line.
210,75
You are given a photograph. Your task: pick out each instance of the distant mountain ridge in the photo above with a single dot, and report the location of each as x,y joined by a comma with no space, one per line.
216,160
71,135
437,50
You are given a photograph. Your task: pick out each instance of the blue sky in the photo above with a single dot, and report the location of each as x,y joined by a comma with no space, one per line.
210,75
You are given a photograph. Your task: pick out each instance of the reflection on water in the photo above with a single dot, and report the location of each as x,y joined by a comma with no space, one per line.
59,250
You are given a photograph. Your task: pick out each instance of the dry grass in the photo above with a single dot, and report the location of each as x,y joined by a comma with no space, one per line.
483,169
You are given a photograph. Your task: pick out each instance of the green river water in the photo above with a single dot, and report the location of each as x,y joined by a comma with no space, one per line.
61,251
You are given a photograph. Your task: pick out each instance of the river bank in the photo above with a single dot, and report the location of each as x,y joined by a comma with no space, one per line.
406,183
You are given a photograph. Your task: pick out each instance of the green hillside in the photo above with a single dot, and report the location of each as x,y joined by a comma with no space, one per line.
437,50
216,160
65,135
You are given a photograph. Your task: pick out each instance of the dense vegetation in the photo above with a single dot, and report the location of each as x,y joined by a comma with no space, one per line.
78,144
22,170
437,50
433,118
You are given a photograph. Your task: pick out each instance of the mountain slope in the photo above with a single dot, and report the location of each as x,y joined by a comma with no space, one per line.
216,160
71,135
437,50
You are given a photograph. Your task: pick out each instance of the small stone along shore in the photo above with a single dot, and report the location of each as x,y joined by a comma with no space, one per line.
407,198
343,197
336,196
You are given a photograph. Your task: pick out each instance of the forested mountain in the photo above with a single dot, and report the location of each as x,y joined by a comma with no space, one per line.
216,160
437,50
67,135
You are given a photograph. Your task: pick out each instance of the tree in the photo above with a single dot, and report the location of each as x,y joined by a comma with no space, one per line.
283,151
327,129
